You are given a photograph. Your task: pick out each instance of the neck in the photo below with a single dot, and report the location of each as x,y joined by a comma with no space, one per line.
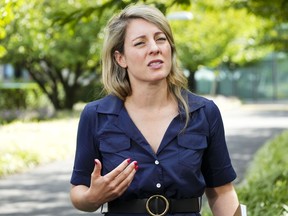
150,97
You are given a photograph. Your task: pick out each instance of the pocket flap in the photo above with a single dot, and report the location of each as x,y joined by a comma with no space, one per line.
114,143
192,141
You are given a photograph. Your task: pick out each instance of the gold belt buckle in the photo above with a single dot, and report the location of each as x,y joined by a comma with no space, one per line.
157,197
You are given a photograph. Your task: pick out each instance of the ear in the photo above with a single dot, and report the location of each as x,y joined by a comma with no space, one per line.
120,59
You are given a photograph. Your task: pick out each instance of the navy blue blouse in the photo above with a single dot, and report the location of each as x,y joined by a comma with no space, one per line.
184,165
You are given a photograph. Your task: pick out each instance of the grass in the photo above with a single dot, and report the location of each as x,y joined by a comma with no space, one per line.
265,189
24,145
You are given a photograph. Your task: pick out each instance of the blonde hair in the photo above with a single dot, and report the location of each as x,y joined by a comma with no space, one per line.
115,78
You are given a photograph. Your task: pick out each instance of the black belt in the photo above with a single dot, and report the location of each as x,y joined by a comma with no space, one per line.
155,205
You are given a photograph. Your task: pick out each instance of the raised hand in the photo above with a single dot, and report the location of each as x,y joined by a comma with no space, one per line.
112,185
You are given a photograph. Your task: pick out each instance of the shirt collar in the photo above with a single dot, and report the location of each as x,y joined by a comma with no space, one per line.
195,102
111,104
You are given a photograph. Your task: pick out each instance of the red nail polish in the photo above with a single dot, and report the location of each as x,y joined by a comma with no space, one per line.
136,165
128,160
95,161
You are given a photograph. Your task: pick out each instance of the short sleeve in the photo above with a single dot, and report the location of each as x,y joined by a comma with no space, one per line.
86,148
216,167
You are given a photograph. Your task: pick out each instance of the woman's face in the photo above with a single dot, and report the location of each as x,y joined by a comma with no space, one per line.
147,53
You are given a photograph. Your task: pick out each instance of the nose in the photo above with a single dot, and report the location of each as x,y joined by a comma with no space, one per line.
154,48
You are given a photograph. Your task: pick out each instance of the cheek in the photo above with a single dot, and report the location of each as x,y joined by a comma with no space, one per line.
168,54
134,57
167,51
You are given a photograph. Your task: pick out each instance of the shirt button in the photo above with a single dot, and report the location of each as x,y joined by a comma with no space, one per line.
158,185
156,162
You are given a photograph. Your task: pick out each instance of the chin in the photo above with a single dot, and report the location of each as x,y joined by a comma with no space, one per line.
159,78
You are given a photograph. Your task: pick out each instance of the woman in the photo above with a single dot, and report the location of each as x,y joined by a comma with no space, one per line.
150,147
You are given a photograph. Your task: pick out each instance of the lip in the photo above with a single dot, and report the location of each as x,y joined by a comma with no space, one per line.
155,62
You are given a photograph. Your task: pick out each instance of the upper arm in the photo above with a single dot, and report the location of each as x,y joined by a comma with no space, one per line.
216,166
86,148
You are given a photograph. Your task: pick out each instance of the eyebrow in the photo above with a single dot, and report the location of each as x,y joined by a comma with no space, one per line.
143,36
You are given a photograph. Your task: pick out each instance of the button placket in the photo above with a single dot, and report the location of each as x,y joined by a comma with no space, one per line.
158,183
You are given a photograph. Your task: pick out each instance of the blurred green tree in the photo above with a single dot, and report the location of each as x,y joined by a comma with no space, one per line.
6,16
217,35
276,12
102,7
59,43
62,59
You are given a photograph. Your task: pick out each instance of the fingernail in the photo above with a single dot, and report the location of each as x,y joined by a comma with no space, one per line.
136,165
95,161
128,160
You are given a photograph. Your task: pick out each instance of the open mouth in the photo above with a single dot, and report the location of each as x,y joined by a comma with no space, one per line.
155,63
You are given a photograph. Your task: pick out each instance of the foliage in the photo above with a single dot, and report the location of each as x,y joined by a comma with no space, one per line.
6,16
59,42
23,101
61,59
28,148
218,35
205,211
19,95
275,12
111,5
22,159
264,190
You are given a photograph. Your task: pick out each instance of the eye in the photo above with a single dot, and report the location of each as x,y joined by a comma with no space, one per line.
139,43
161,39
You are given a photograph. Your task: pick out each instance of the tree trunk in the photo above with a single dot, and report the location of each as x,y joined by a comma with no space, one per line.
18,71
69,99
192,82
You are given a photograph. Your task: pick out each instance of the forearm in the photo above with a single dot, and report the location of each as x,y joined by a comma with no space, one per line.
103,188
81,200
223,201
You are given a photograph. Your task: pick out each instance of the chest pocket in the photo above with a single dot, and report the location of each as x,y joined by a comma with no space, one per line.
191,149
114,149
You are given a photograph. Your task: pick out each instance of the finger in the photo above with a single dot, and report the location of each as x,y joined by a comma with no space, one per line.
115,172
126,177
130,169
97,168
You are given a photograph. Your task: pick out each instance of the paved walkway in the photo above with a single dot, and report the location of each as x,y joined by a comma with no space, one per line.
45,190
249,127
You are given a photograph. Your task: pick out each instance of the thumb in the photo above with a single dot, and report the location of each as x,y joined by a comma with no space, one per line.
97,168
